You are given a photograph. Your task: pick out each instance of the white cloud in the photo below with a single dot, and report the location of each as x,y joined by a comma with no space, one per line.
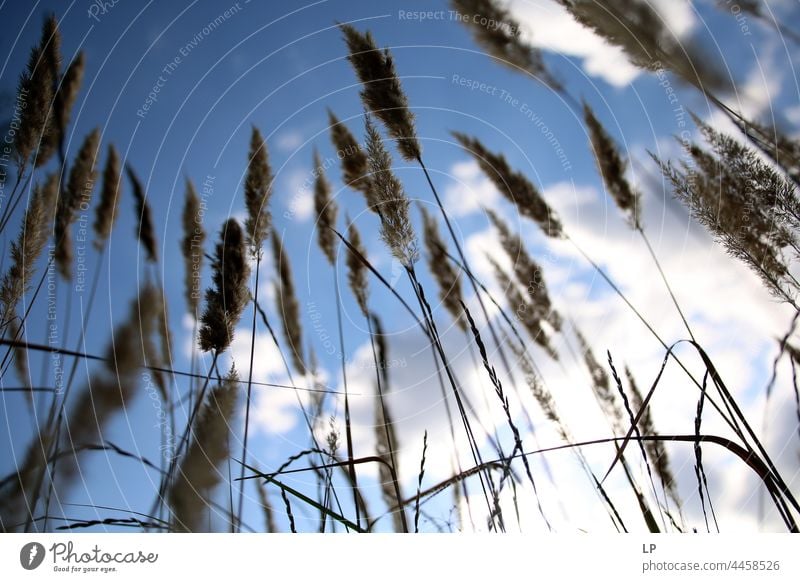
300,203
289,141
471,192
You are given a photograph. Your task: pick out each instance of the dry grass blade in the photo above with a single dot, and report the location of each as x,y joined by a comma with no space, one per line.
288,306
229,294
199,472
391,202
382,92
29,245
612,168
355,170
442,269
145,231
513,185
499,34
75,197
194,235
326,211
110,195
257,192
356,270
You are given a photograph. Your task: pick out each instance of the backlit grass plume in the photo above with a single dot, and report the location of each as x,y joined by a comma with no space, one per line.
355,168
145,230
751,209
26,249
110,195
513,185
442,269
528,273
640,31
612,168
194,235
76,197
382,92
66,94
200,470
356,270
257,192
228,295
287,305
523,310
499,34
391,202
326,211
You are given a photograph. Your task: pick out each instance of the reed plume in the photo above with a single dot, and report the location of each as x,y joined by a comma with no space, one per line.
499,34
51,60
528,273
228,296
386,449
612,168
513,185
442,269
391,202
382,92
257,192
199,471
66,94
639,30
145,231
112,388
266,507
35,90
601,385
655,449
524,311
355,167
194,235
288,306
27,248
110,195
749,208
17,493
326,211
356,270
76,196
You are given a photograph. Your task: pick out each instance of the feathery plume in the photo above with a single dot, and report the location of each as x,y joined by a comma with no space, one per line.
655,449
639,30
288,306
499,34
356,270
51,60
110,195
611,167
391,202
146,232
266,506
386,448
66,94
539,392
27,248
355,170
229,295
326,211
527,271
601,384
748,207
257,192
447,277
199,471
192,248
16,494
513,185
524,312
77,195
35,91
382,92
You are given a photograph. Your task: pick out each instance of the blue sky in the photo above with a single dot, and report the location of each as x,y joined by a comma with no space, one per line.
278,66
